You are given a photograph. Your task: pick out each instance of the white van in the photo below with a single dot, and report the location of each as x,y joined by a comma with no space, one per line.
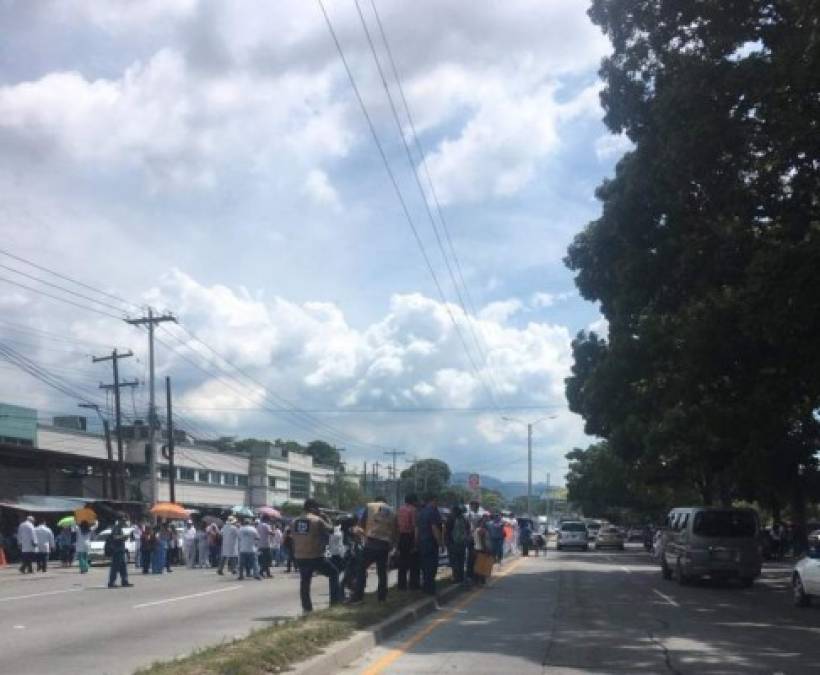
716,542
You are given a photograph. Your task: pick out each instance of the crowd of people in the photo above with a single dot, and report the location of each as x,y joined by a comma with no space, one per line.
412,538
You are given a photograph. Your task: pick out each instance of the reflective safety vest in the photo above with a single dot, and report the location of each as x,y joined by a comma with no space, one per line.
310,535
381,522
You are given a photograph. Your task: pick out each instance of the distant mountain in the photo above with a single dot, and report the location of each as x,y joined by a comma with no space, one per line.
510,489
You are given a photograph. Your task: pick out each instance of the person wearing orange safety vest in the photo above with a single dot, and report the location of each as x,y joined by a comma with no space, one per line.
380,527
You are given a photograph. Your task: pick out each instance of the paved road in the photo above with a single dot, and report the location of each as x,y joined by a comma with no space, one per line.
67,623
603,612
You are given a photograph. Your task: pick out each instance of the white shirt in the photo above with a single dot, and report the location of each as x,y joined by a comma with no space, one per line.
190,535
263,529
276,538
26,537
82,539
45,538
230,541
336,543
247,539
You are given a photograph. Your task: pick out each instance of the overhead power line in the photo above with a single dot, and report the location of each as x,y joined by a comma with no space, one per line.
67,278
57,297
449,267
402,202
434,194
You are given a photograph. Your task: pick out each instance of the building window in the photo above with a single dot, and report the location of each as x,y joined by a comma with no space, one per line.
216,477
242,481
186,474
299,485
164,472
204,476
229,479
273,482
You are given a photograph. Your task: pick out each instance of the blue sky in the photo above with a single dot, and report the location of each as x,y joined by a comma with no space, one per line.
211,159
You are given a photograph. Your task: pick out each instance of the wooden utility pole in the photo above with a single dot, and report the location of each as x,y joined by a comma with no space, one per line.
170,424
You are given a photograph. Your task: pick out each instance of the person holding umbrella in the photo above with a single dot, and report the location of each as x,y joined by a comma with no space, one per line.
84,534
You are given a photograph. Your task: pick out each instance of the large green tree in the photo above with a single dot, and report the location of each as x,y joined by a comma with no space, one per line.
704,256
425,475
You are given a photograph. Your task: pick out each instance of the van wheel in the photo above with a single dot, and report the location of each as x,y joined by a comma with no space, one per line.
665,571
801,598
683,580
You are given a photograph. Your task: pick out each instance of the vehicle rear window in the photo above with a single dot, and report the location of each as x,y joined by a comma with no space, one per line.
573,527
725,524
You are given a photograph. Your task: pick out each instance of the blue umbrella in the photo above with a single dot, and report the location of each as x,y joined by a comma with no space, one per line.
242,511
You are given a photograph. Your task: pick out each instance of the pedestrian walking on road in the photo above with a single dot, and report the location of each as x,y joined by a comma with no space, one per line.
189,544
214,544
457,534
158,550
203,550
473,515
525,535
45,545
276,544
378,523
265,533
310,535
408,549
85,533
482,546
230,547
169,533
496,529
118,566
27,540
148,540
248,536
65,545
287,547
430,540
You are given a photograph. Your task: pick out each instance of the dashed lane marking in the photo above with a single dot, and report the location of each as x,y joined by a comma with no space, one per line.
39,595
665,597
179,598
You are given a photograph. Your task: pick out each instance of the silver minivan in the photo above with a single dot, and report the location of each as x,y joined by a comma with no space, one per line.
721,543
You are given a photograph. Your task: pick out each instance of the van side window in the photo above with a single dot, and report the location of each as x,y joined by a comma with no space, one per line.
684,521
676,521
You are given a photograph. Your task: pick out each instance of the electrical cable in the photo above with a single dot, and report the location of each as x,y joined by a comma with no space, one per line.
400,196
437,203
66,300
409,154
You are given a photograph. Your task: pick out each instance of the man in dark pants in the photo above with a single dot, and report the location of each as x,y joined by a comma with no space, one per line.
473,515
118,565
310,534
408,551
379,525
429,537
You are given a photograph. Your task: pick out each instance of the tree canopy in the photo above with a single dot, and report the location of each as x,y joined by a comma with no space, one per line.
704,258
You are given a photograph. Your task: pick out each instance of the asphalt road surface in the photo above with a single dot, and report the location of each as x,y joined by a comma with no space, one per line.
64,623
607,612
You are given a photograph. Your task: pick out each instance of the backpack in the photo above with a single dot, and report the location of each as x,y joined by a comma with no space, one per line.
459,532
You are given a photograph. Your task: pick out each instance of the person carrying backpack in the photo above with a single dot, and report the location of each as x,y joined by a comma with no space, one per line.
457,536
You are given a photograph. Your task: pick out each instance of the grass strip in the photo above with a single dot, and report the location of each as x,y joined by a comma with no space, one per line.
277,648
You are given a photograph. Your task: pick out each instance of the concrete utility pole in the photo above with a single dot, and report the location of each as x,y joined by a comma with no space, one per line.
170,424
530,425
109,481
116,386
152,321
395,454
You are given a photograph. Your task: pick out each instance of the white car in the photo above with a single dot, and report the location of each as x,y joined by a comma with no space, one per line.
572,533
96,547
806,573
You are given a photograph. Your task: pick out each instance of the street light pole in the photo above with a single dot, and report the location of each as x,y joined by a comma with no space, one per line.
530,425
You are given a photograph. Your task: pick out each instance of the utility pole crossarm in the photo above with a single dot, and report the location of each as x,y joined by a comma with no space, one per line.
151,320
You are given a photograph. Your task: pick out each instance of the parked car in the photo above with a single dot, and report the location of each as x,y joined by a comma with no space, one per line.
593,527
573,533
806,573
714,542
96,547
635,534
610,536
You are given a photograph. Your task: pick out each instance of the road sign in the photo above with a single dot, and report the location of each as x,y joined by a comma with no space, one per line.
474,482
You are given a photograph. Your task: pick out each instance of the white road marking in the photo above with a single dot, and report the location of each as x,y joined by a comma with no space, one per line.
665,597
186,597
18,627
39,595
626,569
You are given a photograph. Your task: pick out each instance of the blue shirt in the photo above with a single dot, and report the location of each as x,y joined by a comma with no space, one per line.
426,519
